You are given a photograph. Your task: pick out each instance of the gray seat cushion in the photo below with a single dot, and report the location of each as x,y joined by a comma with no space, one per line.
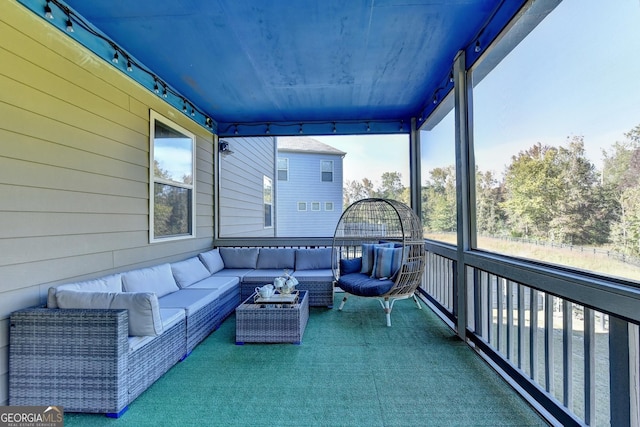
191,300
362,285
216,282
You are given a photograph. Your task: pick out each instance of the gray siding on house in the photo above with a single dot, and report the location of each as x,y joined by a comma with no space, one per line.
74,177
241,201
305,185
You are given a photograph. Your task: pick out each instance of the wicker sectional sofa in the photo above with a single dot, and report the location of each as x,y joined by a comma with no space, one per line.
98,344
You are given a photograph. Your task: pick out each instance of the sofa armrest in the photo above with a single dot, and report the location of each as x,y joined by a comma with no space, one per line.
76,358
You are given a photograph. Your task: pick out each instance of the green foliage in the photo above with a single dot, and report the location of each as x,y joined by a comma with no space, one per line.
547,193
439,200
391,188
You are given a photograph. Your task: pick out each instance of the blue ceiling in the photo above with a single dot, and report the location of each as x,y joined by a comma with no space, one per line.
252,63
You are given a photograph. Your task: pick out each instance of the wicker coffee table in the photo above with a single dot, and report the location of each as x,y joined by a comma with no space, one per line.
272,323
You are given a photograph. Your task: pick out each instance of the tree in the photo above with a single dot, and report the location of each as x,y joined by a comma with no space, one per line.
439,200
621,181
490,217
577,217
357,190
531,185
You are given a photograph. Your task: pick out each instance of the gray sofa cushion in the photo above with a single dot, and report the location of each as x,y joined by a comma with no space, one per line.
276,258
143,308
239,257
189,271
158,279
212,260
112,283
313,259
216,282
191,300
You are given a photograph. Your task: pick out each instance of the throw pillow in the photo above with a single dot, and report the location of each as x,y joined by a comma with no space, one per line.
387,262
350,266
368,255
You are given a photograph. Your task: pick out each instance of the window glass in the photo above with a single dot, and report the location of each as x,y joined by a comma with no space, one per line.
315,206
283,169
327,170
302,206
268,201
171,180
328,206
437,148
557,142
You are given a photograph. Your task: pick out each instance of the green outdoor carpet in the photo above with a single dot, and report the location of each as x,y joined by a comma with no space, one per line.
350,370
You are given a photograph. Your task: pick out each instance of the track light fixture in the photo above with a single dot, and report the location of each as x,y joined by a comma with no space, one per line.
368,127
48,13
478,48
401,126
72,21
301,131
268,130
334,127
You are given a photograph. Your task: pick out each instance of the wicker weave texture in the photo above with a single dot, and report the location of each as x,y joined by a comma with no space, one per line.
227,303
200,324
270,323
73,358
152,360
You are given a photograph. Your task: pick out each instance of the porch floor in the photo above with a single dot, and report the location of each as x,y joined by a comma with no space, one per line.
350,370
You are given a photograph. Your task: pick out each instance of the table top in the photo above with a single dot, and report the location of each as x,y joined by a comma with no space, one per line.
294,300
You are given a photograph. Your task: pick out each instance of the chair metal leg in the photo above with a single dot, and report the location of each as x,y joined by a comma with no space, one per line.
344,300
415,298
387,310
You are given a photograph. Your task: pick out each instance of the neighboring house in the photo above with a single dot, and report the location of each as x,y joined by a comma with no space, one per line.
309,187
247,187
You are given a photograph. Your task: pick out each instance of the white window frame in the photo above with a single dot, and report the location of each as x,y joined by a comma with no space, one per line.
153,117
304,205
286,169
316,206
322,171
267,184
326,206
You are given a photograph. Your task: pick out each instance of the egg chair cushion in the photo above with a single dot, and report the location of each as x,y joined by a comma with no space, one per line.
362,285
348,266
387,262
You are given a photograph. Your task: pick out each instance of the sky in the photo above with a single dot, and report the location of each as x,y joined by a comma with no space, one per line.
576,74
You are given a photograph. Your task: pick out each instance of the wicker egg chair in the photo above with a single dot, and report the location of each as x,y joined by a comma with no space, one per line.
378,252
